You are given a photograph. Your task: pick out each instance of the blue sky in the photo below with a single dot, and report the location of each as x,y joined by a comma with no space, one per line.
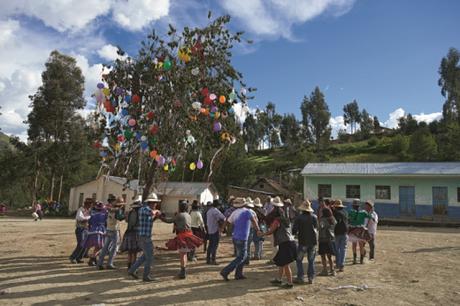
384,54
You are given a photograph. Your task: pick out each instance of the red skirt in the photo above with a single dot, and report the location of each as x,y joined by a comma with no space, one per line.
184,240
358,234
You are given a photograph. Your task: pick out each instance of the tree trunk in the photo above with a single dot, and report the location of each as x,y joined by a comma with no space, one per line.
60,188
52,187
149,180
37,173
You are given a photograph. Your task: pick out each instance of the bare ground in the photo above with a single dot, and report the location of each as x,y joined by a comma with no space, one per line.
414,266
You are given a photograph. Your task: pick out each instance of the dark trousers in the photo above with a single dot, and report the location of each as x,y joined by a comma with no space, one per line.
212,247
371,248
79,251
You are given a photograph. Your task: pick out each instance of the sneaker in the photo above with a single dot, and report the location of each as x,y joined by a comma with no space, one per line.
100,267
299,281
133,275
111,267
276,282
340,269
73,261
79,261
149,279
333,273
240,277
224,276
324,273
287,286
310,281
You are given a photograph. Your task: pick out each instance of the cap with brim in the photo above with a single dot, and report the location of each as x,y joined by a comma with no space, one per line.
257,202
249,202
305,206
239,202
356,202
338,203
288,201
276,201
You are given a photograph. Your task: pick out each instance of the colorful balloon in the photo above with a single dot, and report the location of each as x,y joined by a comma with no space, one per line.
166,168
167,65
100,85
132,122
150,115
106,92
232,96
192,166
195,71
222,99
212,97
136,99
199,164
153,154
217,126
128,99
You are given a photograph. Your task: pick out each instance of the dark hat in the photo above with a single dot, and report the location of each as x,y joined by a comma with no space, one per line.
99,206
111,198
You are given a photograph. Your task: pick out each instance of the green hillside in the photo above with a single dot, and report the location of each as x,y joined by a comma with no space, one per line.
4,141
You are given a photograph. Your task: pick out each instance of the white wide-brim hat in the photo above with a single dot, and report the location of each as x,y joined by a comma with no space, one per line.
305,206
257,202
276,201
249,202
152,198
239,202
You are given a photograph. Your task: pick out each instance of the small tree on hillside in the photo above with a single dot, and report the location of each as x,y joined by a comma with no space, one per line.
367,124
449,81
315,119
351,115
423,146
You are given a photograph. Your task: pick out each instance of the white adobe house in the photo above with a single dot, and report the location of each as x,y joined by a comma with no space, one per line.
169,192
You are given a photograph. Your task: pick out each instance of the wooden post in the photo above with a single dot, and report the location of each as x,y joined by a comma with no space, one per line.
52,187
60,188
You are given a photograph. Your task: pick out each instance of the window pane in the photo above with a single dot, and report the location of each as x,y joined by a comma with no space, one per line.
458,194
383,192
324,191
353,191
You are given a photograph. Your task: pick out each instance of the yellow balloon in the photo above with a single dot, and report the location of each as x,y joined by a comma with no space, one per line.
106,91
166,167
192,166
117,147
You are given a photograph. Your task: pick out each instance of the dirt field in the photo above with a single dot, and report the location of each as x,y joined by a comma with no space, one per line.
414,266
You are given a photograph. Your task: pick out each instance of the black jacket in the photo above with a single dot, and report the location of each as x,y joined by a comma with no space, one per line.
306,229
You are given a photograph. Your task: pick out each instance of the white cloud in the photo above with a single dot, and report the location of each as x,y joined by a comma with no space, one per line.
428,118
337,124
109,52
276,17
136,14
392,121
60,15
7,29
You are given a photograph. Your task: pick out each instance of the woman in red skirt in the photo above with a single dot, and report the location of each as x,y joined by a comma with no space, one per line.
184,241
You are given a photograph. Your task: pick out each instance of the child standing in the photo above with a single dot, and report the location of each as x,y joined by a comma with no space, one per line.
326,240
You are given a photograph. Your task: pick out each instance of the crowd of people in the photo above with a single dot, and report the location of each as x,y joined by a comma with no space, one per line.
294,232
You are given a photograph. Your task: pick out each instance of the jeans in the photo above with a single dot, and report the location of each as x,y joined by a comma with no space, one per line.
341,249
310,251
212,247
258,244
110,246
237,264
79,251
371,248
146,245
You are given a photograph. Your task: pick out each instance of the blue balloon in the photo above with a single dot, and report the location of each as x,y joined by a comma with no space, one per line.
138,135
231,110
100,85
124,112
128,99
103,153
144,145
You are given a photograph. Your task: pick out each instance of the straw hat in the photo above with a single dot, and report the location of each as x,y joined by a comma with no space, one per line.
370,203
338,203
305,206
239,202
152,198
120,201
276,201
257,202
288,201
249,202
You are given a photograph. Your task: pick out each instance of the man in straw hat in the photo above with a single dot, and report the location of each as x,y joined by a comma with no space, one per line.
306,228
214,220
81,224
146,215
111,235
258,241
341,234
130,241
274,202
241,218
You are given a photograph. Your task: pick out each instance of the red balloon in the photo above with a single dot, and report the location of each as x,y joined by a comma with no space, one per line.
205,92
154,129
207,100
121,138
150,115
136,99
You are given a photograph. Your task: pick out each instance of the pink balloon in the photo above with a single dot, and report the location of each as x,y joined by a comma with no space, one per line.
217,126
199,164
132,122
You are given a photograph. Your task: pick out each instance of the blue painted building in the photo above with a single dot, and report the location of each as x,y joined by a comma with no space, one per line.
421,190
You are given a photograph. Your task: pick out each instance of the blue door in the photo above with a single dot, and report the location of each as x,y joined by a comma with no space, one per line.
440,200
407,200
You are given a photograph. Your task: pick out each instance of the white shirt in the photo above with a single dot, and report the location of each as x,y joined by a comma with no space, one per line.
372,223
197,219
82,216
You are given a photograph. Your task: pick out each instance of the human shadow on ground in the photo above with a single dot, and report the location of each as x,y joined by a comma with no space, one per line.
430,250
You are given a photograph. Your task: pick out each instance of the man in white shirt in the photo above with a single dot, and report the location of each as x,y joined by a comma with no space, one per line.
372,227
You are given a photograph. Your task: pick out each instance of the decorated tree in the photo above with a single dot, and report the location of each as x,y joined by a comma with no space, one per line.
171,105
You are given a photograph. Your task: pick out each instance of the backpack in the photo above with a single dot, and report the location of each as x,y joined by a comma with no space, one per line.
133,219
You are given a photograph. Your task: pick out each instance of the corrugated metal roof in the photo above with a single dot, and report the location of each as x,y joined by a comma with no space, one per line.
133,184
183,188
447,168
